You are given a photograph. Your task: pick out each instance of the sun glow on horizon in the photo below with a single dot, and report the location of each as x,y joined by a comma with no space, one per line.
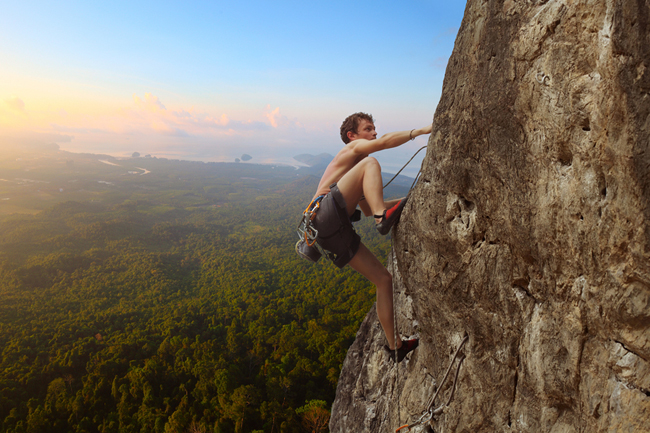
211,81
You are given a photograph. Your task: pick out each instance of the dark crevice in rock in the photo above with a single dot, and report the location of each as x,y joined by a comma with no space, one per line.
468,205
521,282
565,157
630,385
630,350
596,412
580,353
514,391
527,292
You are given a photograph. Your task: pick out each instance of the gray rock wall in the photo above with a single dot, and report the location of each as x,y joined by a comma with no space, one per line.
528,231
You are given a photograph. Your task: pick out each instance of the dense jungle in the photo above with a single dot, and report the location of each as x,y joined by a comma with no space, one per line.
153,295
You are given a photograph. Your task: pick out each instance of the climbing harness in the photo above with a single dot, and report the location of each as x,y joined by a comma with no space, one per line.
430,412
305,229
306,247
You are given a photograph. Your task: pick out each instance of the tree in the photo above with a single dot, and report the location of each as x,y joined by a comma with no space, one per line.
243,400
315,416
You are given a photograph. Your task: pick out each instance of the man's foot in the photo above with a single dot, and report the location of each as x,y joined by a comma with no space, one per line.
390,216
407,346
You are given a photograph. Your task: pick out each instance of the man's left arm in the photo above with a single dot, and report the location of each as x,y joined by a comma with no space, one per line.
387,141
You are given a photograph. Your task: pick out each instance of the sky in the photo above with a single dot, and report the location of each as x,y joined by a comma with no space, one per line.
212,80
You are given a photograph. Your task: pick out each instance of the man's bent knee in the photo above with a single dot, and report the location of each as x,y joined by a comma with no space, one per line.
370,161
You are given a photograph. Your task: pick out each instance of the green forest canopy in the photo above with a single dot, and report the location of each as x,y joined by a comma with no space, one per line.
166,297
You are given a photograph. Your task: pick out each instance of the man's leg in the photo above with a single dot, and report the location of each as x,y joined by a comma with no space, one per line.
370,267
363,179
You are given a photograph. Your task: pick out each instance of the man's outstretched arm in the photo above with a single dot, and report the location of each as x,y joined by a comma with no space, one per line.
387,141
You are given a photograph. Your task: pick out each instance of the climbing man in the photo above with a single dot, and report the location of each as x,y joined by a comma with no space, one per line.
354,178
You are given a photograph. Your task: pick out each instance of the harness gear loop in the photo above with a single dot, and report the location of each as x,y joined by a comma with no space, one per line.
305,229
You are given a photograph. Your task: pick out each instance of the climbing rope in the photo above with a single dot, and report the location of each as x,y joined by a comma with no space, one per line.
430,411
395,334
404,166
417,176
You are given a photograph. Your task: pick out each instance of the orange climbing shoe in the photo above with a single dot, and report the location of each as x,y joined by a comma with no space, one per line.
390,217
407,346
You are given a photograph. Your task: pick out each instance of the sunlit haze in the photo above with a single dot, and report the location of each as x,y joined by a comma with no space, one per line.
213,80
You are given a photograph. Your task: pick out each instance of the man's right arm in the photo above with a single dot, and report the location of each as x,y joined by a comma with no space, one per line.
387,141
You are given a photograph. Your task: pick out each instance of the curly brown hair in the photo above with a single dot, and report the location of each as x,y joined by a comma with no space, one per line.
351,124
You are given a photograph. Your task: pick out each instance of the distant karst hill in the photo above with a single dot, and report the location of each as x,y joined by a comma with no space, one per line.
317,161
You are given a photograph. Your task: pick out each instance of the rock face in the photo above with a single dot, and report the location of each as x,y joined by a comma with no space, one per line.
529,231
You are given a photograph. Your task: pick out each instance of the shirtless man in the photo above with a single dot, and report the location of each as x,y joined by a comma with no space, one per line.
354,178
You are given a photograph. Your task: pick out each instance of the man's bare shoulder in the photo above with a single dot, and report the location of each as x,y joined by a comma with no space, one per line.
341,164
345,154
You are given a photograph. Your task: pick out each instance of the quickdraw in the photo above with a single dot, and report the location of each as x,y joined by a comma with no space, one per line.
305,230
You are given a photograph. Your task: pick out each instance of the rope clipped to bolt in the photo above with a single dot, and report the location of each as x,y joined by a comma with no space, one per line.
430,412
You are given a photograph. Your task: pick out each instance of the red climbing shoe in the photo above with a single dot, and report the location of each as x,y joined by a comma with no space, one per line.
390,217
407,346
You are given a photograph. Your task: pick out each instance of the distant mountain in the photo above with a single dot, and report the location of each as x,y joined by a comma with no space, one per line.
400,180
317,161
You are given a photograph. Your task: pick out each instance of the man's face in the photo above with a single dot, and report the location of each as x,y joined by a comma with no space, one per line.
366,131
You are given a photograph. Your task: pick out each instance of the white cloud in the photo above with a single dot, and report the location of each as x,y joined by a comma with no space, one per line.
150,103
160,129
15,103
272,116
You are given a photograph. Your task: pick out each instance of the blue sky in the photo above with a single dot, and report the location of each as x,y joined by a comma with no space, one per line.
212,80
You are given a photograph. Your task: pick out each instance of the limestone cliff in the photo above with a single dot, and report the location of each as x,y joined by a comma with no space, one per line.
528,231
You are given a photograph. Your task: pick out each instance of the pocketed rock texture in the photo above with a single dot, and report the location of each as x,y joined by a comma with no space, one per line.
528,231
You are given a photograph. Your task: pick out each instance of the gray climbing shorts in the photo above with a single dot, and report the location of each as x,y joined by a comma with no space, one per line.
335,232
